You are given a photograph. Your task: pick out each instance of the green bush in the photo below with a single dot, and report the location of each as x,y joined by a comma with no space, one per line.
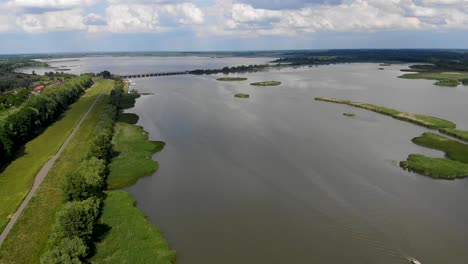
76,219
88,181
68,251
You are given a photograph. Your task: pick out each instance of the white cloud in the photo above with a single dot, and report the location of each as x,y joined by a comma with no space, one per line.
55,4
124,18
51,21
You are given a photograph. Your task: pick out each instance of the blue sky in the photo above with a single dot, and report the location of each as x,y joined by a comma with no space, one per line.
36,26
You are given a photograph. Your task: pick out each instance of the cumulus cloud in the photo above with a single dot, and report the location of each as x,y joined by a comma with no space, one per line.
245,18
50,4
127,18
51,21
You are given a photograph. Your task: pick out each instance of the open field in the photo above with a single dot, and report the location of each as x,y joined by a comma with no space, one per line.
33,228
422,120
15,185
450,79
231,79
134,153
266,83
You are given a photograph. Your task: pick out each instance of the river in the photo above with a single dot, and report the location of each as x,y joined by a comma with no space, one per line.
281,178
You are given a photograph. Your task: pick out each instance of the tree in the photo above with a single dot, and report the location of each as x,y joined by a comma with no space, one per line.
76,219
68,251
86,182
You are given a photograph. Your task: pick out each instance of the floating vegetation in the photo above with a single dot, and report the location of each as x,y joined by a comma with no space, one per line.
242,95
266,83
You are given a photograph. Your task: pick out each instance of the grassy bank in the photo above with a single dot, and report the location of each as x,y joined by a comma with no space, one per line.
242,95
28,238
450,79
231,79
453,149
134,153
266,83
456,133
131,239
438,168
422,120
18,177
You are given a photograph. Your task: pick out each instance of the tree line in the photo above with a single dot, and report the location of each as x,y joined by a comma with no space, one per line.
83,193
36,113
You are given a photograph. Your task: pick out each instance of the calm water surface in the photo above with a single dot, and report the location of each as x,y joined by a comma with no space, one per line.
140,64
281,178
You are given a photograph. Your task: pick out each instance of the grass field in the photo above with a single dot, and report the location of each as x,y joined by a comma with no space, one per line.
18,176
28,237
422,120
266,83
231,79
131,239
133,160
450,79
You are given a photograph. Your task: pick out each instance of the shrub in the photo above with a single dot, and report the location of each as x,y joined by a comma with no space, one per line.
68,251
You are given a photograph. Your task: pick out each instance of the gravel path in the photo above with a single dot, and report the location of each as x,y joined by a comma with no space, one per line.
44,171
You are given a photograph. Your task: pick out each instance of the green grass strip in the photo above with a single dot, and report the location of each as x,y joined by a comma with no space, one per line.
27,240
17,178
449,79
134,155
131,239
438,168
231,79
421,120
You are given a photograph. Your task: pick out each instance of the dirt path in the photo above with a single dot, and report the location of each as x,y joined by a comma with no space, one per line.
44,171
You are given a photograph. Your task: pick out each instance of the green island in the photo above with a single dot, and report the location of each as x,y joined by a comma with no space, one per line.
231,79
449,79
349,114
455,165
421,120
242,95
266,83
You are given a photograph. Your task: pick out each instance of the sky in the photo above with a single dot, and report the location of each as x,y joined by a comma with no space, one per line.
46,26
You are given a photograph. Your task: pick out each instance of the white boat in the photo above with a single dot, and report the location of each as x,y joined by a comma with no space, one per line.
414,261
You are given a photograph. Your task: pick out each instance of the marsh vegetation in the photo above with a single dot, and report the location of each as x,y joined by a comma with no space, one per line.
266,83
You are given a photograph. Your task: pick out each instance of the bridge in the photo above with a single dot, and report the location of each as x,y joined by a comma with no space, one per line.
132,76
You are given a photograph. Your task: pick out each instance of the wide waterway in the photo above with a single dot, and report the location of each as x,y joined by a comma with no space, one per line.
281,178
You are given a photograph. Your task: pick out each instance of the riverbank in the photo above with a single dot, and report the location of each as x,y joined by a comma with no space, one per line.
32,230
456,163
131,238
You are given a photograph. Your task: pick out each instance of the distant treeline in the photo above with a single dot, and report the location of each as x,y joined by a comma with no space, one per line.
76,222
234,69
36,113
10,80
455,60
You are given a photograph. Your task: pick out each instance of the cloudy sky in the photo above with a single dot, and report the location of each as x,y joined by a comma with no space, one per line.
29,26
